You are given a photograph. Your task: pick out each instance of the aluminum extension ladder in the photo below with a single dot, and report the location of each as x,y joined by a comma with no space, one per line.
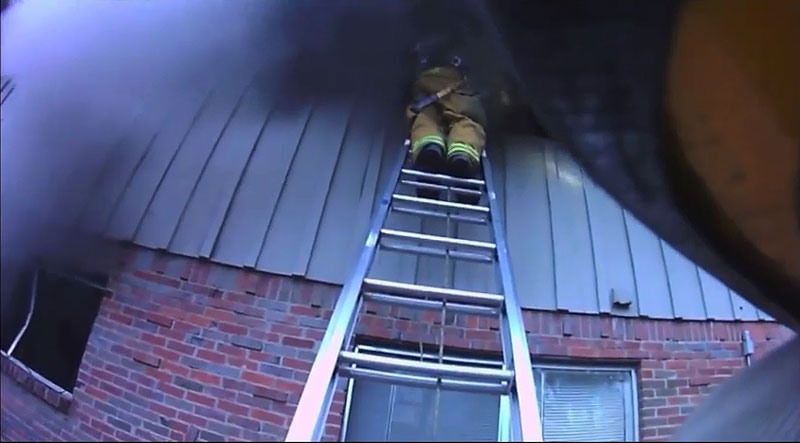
514,381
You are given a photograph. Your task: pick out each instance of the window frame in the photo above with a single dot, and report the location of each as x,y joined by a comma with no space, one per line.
400,351
503,410
104,292
588,367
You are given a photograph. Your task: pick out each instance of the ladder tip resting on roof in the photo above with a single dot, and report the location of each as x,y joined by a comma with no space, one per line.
338,356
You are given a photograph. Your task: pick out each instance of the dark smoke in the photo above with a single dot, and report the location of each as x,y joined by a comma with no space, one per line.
91,75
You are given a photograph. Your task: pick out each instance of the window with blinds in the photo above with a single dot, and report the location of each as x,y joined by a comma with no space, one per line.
582,404
576,403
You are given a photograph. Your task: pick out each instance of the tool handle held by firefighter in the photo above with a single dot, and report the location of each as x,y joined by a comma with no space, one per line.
433,98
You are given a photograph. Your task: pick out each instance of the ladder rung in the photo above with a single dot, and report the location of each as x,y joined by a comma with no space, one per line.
492,363
419,303
456,190
371,361
427,213
473,245
440,203
435,252
420,291
425,381
444,178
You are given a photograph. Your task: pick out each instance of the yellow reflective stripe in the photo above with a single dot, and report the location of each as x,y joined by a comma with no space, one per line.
422,141
457,147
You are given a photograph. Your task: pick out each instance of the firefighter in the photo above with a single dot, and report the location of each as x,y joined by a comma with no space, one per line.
446,115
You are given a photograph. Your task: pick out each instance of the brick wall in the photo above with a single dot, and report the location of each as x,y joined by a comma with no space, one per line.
187,350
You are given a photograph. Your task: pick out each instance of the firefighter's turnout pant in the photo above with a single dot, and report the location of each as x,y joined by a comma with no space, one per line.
455,122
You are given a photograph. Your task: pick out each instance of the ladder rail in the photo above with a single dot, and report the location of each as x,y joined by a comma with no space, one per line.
308,422
524,403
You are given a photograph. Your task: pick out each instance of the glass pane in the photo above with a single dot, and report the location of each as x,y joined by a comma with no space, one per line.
369,411
383,412
585,406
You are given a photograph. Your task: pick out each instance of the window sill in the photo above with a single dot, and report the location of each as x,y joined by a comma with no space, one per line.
35,383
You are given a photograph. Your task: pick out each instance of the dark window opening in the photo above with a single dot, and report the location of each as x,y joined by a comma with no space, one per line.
55,339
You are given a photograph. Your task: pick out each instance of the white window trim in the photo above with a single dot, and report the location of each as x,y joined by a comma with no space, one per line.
504,411
9,353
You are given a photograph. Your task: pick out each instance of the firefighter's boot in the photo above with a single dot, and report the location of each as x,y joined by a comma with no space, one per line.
461,165
430,158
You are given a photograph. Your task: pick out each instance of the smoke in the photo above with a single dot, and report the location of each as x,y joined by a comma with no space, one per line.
90,76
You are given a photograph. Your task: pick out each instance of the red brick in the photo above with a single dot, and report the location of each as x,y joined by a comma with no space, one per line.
293,387
200,398
147,359
231,350
480,335
289,330
666,431
725,363
653,422
636,354
307,311
316,334
231,328
171,389
160,279
219,314
652,346
120,318
258,379
661,412
676,364
334,419
162,409
219,303
147,393
677,400
102,427
92,391
151,376
175,369
677,420
270,393
159,319
166,354
121,350
640,331
647,433
296,364
331,430
298,342
645,413
240,362
205,377
231,407
699,381
197,320
575,351
652,364
180,347
725,371
211,356
153,339
269,417
193,419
